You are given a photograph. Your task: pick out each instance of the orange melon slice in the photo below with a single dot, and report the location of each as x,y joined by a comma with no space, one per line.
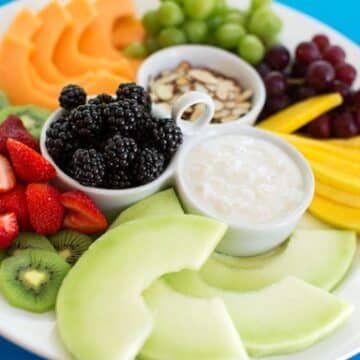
97,40
15,78
67,55
127,30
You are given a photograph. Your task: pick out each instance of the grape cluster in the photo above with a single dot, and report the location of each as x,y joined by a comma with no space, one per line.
318,67
213,22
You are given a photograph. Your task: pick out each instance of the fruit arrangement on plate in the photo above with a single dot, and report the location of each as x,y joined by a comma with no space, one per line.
141,217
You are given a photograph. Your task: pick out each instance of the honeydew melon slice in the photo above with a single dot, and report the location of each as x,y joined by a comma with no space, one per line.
161,203
319,257
189,328
309,222
100,311
288,316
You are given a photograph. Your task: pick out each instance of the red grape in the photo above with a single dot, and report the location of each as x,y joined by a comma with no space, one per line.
263,69
357,117
304,92
320,127
275,84
321,41
278,57
344,126
346,73
307,52
299,69
276,104
335,55
320,75
356,98
340,87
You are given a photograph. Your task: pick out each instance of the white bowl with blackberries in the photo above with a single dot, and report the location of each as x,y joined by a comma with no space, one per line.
117,149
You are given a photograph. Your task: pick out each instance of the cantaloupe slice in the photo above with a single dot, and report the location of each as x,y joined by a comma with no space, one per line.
97,39
288,316
319,257
67,55
100,311
128,29
15,77
189,328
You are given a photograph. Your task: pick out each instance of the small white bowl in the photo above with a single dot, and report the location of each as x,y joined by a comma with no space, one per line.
246,239
212,58
111,201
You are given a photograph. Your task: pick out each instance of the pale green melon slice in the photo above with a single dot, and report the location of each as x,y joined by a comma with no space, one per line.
190,328
286,317
100,311
162,203
309,222
320,257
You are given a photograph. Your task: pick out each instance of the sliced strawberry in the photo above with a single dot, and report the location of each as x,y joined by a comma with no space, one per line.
83,215
15,201
29,165
45,210
9,229
7,176
14,128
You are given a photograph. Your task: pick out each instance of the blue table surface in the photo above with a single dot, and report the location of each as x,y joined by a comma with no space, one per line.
344,17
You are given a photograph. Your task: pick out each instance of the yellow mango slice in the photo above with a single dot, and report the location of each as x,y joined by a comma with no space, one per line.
352,143
296,116
67,56
342,197
335,213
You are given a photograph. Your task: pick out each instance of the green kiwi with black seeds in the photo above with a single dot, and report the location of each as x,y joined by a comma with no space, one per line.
27,240
32,279
70,244
33,117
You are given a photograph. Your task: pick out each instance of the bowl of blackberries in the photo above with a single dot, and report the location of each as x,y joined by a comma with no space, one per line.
117,149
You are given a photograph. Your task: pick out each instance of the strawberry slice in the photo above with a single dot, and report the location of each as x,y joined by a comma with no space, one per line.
15,201
45,210
83,215
14,128
29,165
9,229
7,176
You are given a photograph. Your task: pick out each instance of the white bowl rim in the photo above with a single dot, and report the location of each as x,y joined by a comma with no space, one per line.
259,88
293,153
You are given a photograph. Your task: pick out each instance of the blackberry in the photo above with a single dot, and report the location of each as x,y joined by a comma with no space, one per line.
72,96
87,121
118,180
61,142
148,166
167,136
135,93
102,99
119,152
88,167
123,116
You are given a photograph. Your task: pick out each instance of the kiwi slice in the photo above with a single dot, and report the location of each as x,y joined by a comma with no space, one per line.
26,241
31,280
4,101
70,244
33,117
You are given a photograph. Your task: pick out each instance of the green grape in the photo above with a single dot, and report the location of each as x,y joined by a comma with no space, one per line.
214,21
270,41
256,4
170,14
228,35
151,44
136,50
199,9
264,22
221,8
251,49
196,31
235,17
171,37
151,23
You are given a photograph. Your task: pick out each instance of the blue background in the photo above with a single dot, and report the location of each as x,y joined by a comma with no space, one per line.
342,15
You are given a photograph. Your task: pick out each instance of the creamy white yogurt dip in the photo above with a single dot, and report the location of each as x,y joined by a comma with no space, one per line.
242,179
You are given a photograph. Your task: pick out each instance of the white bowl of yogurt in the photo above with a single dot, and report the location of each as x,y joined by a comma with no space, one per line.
253,181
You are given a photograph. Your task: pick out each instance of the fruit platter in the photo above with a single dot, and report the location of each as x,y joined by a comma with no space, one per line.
179,180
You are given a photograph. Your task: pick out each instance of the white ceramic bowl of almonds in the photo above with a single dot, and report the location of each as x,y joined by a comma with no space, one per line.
235,86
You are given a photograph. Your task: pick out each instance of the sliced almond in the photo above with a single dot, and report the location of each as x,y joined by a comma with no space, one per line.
244,105
164,92
222,114
182,81
203,76
198,110
167,79
201,88
218,105
239,112
246,95
228,118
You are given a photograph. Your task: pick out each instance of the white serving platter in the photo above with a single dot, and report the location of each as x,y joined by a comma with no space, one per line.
37,333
